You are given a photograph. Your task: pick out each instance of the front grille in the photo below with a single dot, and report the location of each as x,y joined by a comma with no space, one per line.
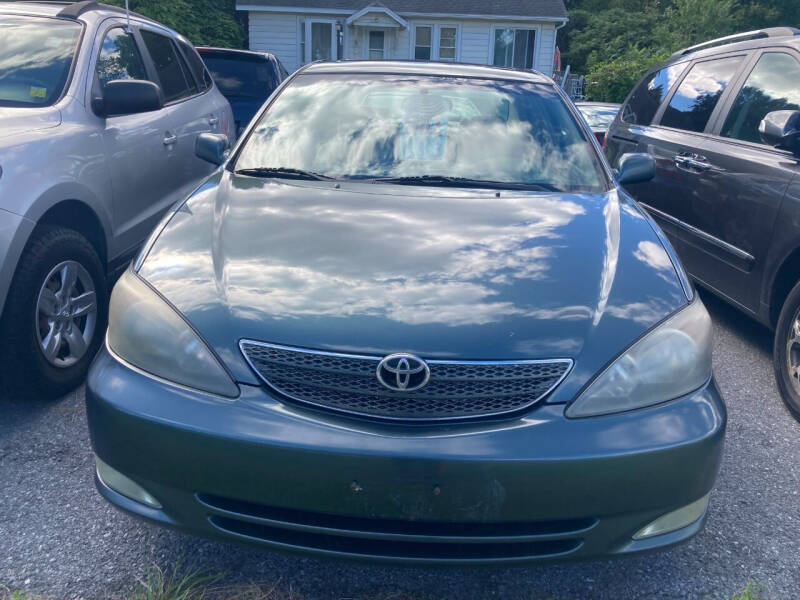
456,389
436,541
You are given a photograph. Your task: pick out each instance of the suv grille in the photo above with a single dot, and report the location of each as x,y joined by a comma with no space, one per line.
456,390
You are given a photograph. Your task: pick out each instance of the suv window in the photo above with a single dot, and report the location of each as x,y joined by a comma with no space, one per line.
650,93
695,99
119,58
774,84
196,66
171,73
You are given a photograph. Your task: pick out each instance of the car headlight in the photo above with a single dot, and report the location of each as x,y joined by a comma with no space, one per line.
145,331
669,362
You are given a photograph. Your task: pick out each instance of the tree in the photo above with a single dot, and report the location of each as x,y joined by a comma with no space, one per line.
204,22
612,80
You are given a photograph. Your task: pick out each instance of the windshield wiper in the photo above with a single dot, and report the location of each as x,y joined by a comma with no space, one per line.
448,181
283,173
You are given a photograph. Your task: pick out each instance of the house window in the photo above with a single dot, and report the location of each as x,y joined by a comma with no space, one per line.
514,47
376,47
422,44
447,43
435,42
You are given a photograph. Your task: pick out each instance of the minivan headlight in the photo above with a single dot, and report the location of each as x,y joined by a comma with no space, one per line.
145,331
669,362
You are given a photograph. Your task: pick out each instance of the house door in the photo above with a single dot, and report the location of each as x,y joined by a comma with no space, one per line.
319,40
376,44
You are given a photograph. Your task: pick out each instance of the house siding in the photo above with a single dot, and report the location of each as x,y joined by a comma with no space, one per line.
276,33
279,33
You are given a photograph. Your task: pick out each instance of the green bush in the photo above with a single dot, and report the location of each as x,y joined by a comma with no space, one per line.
204,22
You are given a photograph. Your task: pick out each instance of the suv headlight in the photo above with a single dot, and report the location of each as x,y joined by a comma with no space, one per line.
145,331
669,362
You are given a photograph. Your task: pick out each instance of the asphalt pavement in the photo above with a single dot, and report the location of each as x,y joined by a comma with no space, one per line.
58,538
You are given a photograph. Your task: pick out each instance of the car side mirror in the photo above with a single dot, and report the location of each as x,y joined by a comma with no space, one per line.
781,129
212,147
128,97
636,168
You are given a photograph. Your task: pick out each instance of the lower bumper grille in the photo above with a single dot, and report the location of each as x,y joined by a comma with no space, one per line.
456,389
433,541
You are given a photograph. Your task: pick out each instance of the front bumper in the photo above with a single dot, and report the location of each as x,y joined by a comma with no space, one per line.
532,488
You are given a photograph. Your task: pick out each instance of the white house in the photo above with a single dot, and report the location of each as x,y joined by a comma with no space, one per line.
510,33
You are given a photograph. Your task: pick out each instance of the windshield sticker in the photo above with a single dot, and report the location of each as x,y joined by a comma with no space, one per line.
37,92
426,143
424,135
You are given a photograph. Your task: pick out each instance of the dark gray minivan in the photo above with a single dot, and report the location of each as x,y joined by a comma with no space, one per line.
722,121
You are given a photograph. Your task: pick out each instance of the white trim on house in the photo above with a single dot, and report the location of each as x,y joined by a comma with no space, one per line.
400,21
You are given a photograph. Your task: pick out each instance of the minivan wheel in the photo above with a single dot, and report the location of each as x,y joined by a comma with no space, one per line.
55,314
786,352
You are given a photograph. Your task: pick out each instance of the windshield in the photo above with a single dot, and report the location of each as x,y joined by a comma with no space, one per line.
244,76
381,127
36,56
599,117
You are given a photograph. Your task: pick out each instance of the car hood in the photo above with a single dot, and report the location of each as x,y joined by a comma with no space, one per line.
16,121
440,272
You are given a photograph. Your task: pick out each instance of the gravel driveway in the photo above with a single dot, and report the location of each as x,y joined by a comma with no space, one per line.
59,539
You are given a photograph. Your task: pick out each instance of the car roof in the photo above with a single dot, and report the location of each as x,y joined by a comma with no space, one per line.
748,40
605,104
412,67
216,50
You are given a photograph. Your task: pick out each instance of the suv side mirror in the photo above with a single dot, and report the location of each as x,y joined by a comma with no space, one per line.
636,168
128,97
781,128
212,147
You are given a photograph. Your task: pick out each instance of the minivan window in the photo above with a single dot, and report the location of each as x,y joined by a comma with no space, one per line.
695,99
774,84
414,128
649,94
119,58
36,57
174,82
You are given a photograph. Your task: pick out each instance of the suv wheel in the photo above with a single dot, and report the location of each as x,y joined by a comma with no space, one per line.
786,352
55,313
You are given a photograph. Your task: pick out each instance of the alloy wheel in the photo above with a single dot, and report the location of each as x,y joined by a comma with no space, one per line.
66,314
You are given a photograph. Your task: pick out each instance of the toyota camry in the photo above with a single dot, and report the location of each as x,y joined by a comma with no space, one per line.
412,317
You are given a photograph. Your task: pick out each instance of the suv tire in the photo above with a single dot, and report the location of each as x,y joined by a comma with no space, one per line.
786,352
57,295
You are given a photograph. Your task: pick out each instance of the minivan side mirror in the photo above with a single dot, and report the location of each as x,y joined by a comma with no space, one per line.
128,97
212,147
636,167
781,129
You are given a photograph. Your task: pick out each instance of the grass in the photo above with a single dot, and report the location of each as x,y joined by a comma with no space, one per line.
752,591
8,594
173,584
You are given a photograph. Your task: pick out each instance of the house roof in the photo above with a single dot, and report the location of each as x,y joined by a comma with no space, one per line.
549,9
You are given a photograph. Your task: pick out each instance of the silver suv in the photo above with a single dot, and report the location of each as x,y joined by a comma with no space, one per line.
98,119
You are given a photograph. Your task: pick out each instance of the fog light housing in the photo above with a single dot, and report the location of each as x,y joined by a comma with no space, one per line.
123,485
677,519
